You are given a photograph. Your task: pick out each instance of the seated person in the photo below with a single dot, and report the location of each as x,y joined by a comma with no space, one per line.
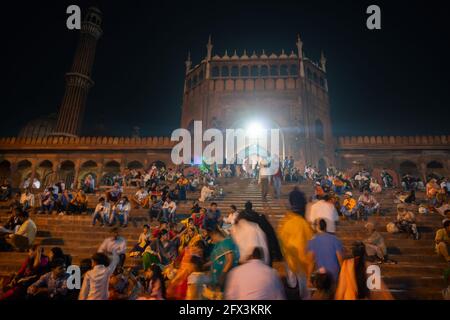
206,193
114,194
406,221
35,265
141,198
5,191
79,203
374,244
53,284
47,201
442,240
374,186
144,240
63,202
155,208
199,217
432,189
24,237
169,210
102,212
165,249
89,184
121,212
348,208
195,207
212,218
123,285
13,223
27,200
367,204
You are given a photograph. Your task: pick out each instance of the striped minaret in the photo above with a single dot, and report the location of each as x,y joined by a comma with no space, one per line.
78,80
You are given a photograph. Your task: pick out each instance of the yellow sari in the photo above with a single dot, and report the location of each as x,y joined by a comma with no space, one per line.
294,232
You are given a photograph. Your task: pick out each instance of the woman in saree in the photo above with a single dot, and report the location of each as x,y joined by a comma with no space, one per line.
352,283
224,256
177,288
294,232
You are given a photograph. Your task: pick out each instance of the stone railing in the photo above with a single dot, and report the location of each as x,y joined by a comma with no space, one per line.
10,143
390,142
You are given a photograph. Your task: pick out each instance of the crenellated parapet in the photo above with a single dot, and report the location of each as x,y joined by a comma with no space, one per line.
85,143
393,142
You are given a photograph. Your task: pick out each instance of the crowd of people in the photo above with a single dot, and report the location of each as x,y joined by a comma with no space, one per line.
219,255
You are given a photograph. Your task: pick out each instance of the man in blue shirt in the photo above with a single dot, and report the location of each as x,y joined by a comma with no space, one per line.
325,251
213,217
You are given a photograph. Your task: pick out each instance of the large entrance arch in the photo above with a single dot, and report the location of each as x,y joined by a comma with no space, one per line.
253,150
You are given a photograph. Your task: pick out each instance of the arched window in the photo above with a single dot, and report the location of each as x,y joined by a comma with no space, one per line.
264,71
284,70
254,71
274,70
244,71
408,167
215,72
225,71
294,70
235,71
319,130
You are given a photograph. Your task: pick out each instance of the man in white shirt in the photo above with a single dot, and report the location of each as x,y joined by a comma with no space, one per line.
141,198
102,212
247,236
121,211
254,280
324,209
115,243
169,210
25,235
96,281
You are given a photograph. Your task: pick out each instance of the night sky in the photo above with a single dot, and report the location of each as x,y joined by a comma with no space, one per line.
390,81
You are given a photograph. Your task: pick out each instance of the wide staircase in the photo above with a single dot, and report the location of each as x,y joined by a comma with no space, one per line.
417,275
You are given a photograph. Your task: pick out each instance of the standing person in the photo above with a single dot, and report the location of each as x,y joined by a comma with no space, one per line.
223,258
213,217
247,236
116,244
324,209
254,280
264,180
272,240
325,251
96,281
294,233
277,178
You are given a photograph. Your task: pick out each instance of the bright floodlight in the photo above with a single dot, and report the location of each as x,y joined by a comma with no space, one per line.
254,129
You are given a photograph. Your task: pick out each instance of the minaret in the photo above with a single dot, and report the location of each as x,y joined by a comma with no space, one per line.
209,47
78,80
300,55
323,62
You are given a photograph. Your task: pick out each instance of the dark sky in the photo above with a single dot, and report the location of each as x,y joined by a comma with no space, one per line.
389,81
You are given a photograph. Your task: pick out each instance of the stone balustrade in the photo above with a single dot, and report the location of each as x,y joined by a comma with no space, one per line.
8,143
389,142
